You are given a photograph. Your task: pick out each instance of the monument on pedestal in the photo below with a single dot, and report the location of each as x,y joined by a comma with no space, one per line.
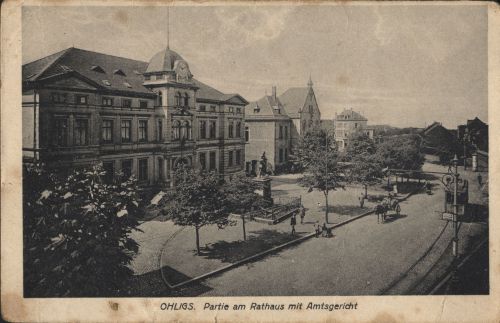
263,178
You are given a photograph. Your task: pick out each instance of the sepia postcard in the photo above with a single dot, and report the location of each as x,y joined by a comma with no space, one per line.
247,161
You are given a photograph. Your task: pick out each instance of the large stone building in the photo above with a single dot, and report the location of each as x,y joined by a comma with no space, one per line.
346,123
274,125
139,118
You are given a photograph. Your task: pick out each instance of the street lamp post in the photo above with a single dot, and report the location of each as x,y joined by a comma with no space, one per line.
455,206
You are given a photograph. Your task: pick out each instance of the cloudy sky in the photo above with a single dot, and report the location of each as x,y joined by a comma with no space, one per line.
400,65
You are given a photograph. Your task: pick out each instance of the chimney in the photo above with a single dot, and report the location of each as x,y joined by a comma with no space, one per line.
274,92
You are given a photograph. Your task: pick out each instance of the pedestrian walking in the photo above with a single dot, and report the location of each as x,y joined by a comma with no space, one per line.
293,222
361,199
302,214
317,229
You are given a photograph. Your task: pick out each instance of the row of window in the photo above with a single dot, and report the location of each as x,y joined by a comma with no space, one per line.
126,169
57,97
181,130
213,108
234,159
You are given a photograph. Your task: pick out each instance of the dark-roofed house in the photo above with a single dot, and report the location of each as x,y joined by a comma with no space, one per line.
274,125
346,123
136,117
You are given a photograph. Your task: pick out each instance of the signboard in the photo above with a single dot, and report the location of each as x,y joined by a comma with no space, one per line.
447,216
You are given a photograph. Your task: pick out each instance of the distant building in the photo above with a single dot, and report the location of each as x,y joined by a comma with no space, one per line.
474,133
274,124
348,122
439,141
138,118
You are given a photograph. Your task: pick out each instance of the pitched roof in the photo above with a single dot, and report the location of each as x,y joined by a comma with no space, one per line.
85,63
102,69
294,99
351,115
265,107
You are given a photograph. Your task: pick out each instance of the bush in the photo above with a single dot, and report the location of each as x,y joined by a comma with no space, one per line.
76,233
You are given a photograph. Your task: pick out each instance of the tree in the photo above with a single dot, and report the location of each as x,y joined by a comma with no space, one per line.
241,197
362,167
318,153
197,200
76,232
401,152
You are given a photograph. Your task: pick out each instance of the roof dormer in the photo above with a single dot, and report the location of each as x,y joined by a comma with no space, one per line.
98,69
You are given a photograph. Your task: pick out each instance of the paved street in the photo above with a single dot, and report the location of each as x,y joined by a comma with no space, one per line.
403,256
362,258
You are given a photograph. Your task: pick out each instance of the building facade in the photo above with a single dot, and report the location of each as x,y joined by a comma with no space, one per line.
274,125
267,131
348,122
137,118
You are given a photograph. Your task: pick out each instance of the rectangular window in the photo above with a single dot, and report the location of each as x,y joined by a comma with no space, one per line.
161,175
143,169
212,160
286,132
160,130
203,129
143,104
247,134
231,109
126,103
127,168
213,108
230,159
109,168
281,155
238,129
203,108
60,132
212,128
281,133
81,99
107,102
286,154
107,131
59,97
238,157
126,130
203,162
238,110
81,131
143,130
230,130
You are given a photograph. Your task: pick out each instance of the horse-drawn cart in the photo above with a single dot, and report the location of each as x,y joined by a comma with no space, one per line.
388,204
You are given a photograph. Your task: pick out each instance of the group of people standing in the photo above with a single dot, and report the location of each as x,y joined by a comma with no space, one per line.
323,230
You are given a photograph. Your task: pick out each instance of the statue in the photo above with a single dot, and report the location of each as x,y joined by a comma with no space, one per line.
263,165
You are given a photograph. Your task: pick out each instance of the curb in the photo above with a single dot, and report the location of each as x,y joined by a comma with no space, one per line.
274,249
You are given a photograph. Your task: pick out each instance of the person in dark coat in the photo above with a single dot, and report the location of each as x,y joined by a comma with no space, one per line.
302,214
293,222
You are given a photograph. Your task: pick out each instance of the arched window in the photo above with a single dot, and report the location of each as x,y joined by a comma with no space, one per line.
176,130
178,98
186,100
185,130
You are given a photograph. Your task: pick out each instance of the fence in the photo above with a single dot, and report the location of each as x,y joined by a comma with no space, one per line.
283,207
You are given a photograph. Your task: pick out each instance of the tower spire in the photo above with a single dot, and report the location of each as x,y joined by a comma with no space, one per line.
310,83
168,27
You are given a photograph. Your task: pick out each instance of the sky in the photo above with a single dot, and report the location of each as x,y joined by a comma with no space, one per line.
402,65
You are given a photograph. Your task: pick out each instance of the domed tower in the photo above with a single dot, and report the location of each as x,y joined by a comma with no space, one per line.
169,76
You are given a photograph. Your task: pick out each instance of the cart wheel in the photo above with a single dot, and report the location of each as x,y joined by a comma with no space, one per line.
398,209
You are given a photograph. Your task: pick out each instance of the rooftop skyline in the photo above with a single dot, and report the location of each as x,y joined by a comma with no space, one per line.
405,65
